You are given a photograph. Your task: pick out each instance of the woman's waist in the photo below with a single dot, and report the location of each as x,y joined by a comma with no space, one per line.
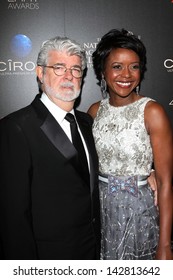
131,184
139,180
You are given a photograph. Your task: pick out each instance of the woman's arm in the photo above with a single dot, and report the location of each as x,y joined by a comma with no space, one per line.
160,131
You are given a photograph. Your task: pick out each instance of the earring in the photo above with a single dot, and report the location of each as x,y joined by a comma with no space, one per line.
137,90
103,86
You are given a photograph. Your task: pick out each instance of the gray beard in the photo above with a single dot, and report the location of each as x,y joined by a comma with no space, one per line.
68,96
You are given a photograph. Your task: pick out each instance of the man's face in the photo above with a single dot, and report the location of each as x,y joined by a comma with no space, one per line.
64,87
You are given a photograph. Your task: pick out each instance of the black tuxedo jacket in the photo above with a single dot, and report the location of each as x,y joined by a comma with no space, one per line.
47,210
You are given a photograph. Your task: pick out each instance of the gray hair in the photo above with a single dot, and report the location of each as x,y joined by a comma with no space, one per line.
61,44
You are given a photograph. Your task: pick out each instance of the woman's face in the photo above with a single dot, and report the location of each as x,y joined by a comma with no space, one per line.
122,71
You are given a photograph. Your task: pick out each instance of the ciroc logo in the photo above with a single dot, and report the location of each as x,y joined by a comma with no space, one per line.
168,64
20,47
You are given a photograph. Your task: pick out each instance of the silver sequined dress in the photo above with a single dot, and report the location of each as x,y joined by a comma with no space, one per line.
129,223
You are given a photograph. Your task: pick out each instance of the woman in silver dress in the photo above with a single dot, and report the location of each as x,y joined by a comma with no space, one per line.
131,132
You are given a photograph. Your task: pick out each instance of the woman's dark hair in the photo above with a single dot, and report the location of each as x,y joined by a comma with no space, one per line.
117,39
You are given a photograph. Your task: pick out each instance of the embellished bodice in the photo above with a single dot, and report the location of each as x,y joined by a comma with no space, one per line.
122,142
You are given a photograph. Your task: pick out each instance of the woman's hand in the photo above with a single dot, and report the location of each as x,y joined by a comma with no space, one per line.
164,253
153,186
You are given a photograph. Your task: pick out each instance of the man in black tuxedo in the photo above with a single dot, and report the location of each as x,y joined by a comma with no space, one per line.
49,208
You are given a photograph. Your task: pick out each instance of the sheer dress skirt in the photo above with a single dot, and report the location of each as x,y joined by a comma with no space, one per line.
129,220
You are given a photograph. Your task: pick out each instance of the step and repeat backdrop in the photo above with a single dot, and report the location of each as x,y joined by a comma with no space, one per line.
25,24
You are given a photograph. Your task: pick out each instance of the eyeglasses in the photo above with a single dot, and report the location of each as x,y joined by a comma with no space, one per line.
60,70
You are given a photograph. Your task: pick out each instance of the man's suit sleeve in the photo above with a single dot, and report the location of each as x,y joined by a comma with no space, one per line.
15,203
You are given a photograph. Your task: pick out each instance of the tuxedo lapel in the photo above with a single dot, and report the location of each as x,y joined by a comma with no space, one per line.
53,130
58,137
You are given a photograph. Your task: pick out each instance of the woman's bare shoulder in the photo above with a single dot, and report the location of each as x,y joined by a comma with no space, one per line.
92,111
156,116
